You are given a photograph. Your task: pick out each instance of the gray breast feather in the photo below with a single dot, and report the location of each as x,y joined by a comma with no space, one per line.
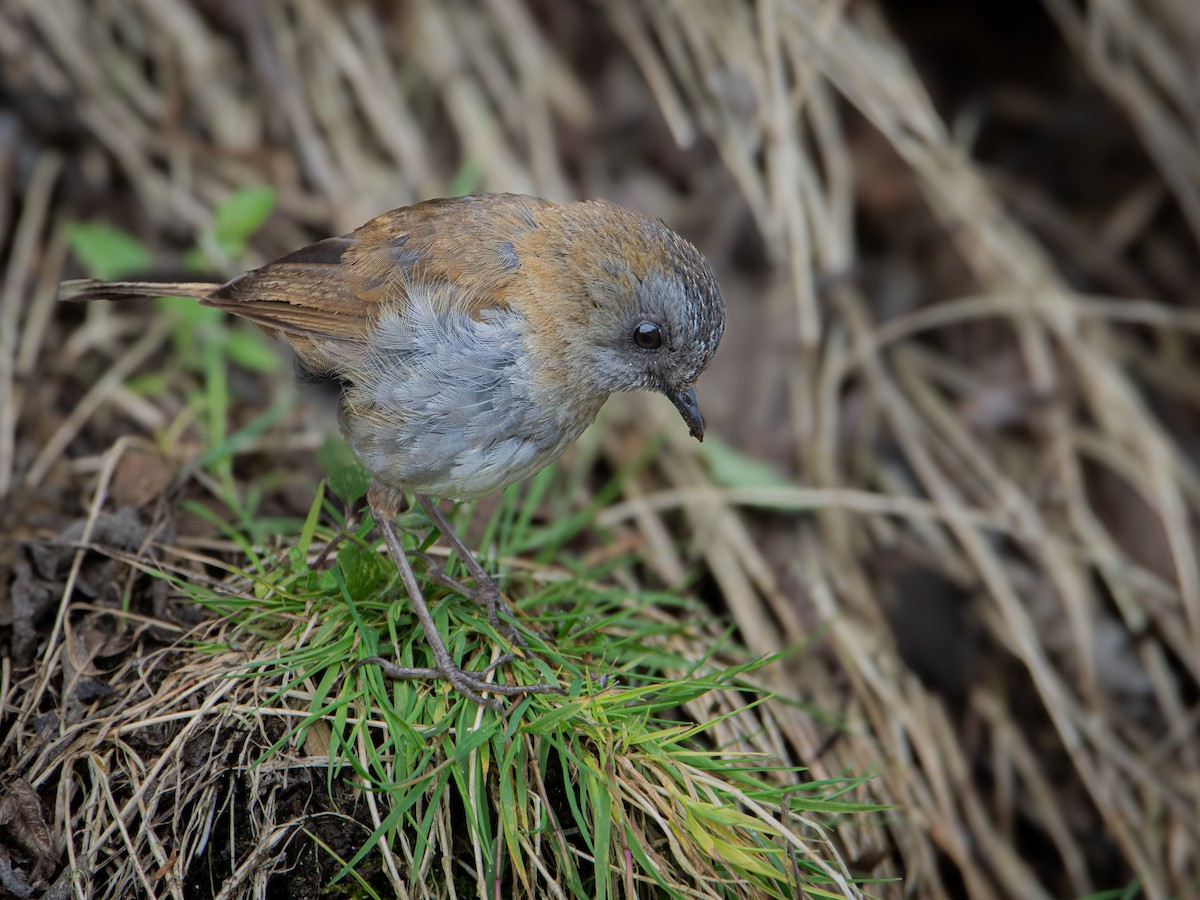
441,404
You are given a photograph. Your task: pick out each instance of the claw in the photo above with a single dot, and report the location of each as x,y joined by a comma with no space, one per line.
472,685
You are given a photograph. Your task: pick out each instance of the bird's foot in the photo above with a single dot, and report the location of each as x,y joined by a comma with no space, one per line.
472,685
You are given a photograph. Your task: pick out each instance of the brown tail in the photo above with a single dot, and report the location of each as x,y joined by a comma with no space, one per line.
91,289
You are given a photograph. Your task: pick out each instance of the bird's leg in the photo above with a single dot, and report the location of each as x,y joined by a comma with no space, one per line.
435,571
470,684
486,594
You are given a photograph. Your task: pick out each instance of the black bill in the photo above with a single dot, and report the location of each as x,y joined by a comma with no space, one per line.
689,408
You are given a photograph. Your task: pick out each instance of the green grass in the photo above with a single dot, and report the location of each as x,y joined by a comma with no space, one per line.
603,791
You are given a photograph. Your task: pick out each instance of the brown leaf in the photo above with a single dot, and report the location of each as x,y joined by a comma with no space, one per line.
21,816
142,475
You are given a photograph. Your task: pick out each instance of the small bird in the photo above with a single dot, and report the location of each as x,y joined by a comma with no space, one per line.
470,340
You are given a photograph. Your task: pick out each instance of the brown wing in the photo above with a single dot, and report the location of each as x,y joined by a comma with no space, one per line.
335,288
307,293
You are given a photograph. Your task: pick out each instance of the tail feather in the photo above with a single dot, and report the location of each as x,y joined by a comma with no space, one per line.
85,289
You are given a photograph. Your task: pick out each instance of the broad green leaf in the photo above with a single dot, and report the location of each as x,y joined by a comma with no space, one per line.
107,252
253,350
468,178
734,469
347,478
191,314
363,571
196,261
241,214
152,384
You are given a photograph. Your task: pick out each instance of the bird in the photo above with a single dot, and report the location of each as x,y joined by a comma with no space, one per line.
468,342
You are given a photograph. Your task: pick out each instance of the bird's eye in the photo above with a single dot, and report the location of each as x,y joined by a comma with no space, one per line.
647,335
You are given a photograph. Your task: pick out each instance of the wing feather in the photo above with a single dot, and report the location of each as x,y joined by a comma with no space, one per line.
460,248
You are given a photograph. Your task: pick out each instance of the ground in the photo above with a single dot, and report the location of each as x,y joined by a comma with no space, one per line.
951,472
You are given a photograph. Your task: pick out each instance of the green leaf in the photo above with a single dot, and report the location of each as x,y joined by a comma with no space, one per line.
192,316
107,252
468,178
195,261
252,350
241,214
347,478
734,469
152,384
362,569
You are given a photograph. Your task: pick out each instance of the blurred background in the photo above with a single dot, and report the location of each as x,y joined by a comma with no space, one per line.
954,420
